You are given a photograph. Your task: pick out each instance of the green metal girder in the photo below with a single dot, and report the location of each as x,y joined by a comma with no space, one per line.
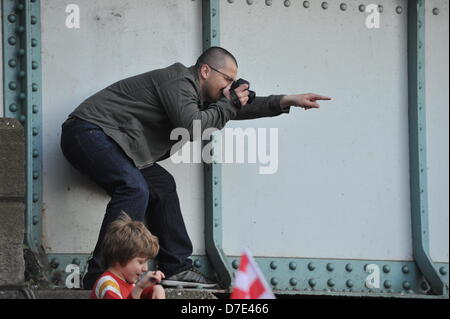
212,172
417,145
305,276
22,98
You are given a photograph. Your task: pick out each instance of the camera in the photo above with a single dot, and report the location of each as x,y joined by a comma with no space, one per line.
234,97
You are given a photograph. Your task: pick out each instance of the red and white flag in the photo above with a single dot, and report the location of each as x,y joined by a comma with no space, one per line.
249,282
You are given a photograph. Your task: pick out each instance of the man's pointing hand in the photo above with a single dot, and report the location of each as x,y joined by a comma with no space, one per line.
306,101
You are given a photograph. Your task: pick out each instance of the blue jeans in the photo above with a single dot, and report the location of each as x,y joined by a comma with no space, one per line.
148,195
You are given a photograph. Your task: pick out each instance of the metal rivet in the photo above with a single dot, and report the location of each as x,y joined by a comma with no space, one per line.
405,269
35,109
35,198
20,7
349,267
273,265
12,86
306,4
425,286
362,8
22,119
35,153
343,6
293,282
268,2
35,175
197,263
35,220
311,266
330,267
399,10
13,108
331,283
21,52
76,261
249,2
12,18
349,284
406,285
324,5
386,269
12,63
21,74
436,11
443,271
34,65
34,87
287,3
21,29
274,281
33,20
34,42
292,265
387,284
380,8
12,40
235,264
230,1
35,131
54,263
312,283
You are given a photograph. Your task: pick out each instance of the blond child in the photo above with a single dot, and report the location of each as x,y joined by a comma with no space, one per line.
127,247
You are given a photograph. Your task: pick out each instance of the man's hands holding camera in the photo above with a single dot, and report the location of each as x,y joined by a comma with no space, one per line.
239,94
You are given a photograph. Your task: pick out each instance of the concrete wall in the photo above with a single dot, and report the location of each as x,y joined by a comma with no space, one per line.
12,207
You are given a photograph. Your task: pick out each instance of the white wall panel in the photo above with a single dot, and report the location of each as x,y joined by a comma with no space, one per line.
342,188
437,104
117,39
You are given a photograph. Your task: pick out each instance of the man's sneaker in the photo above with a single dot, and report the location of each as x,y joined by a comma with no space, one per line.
190,278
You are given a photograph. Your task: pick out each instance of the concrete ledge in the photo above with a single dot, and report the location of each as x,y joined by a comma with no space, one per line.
21,293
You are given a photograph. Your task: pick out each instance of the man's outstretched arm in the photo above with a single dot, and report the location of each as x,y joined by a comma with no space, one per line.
278,104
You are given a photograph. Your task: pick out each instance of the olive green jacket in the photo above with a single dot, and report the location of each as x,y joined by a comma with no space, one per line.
139,113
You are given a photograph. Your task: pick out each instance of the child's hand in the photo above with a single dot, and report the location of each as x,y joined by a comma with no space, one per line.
151,278
158,292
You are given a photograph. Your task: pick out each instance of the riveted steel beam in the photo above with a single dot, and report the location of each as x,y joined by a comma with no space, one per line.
417,145
23,98
212,172
304,276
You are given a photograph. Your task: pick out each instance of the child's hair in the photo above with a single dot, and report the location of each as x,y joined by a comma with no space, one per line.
125,240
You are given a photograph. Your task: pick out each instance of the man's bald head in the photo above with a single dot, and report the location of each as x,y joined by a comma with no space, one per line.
215,57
